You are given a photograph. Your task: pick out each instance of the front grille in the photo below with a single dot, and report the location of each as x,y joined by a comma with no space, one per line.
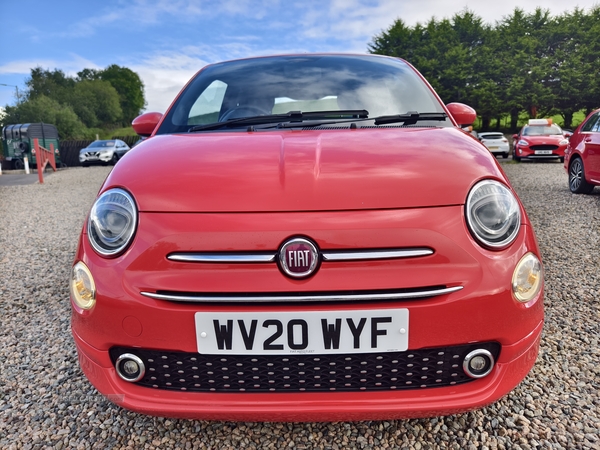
180,371
544,147
304,297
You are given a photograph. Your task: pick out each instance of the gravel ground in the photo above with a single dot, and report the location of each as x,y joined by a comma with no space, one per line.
46,402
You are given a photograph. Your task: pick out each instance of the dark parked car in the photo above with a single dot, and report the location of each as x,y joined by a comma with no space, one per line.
582,158
103,152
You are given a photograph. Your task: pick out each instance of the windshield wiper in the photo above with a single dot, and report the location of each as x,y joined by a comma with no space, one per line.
292,116
410,118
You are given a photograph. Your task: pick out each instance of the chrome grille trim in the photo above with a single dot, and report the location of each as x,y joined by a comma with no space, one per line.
376,254
222,257
336,255
233,298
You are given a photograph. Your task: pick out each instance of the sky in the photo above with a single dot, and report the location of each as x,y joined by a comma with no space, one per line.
167,41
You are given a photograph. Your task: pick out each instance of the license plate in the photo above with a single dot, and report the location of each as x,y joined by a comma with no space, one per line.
306,332
493,148
92,158
543,152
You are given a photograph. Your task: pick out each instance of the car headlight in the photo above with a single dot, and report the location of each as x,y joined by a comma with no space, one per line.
493,214
523,143
112,222
563,142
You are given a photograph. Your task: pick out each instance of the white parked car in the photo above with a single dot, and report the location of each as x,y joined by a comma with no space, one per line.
103,152
496,143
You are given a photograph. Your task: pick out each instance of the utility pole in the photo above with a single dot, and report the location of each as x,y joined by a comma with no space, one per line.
16,89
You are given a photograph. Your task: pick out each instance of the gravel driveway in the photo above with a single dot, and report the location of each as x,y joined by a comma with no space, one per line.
46,402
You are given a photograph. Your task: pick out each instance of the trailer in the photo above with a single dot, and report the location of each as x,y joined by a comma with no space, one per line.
17,142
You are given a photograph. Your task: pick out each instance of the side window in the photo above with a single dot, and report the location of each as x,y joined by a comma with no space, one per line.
596,126
592,124
207,107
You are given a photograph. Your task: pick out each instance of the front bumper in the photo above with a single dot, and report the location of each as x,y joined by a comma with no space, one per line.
527,153
513,364
483,310
96,159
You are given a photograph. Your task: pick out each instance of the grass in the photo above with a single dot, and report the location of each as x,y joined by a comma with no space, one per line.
126,131
578,117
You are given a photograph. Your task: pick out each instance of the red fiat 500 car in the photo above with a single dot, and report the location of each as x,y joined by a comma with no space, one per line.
307,238
540,139
582,158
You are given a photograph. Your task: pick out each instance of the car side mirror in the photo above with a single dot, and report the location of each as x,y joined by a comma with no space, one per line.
515,137
463,114
145,124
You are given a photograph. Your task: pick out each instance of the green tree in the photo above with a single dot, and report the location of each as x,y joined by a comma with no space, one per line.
130,89
526,63
523,64
104,99
45,109
50,83
571,77
96,102
590,59
446,52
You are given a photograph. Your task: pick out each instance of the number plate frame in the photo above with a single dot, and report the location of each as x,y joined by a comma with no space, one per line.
302,332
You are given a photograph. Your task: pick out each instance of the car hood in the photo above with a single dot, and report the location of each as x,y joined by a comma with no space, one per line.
314,170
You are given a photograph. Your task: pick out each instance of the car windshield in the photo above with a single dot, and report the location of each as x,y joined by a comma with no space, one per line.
537,130
102,144
310,83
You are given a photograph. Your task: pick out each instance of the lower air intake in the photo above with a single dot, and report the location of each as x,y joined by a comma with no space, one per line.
194,372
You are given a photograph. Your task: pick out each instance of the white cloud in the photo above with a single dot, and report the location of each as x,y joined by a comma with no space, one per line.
69,66
164,75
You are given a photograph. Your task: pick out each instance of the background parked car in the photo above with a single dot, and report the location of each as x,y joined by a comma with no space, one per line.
567,133
540,139
103,152
495,142
582,158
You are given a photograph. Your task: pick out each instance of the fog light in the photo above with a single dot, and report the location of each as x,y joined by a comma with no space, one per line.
527,278
478,363
130,368
83,288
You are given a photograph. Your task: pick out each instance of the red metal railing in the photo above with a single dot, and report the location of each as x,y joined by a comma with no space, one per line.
43,156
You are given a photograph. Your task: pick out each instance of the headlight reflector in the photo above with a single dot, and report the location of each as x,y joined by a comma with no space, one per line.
112,222
83,288
493,214
527,278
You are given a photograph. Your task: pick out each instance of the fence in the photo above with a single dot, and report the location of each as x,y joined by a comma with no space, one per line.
69,150
43,157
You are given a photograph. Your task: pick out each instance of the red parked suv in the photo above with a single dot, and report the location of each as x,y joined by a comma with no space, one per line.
582,158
